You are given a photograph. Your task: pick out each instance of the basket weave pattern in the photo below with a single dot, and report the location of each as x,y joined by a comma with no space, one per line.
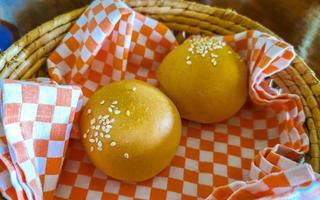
26,58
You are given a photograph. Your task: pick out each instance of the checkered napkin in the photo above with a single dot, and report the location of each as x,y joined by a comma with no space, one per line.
111,42
36,119
274,172
311,191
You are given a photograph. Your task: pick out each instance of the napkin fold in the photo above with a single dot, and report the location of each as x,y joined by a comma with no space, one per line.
274,172
111,42
36,119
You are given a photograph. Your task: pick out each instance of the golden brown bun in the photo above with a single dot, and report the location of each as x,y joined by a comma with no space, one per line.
144,135
205,79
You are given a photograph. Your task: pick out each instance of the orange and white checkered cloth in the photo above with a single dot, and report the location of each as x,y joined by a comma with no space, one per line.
274,172
36,119
111,42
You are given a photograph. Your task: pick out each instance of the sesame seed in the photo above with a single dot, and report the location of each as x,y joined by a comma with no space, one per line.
97,127
128,112
105,116
214,62
214,55
126,155
93,127
91,149
99,144
107,130
188,62
114,102
91,140
188,57
107,136
110,109
96,134
87,131
112,106
93,121
89,111
102,102
101,134
112,120
109,126
117,112
99,148
97,140
85,135
113,143
100,117
134,89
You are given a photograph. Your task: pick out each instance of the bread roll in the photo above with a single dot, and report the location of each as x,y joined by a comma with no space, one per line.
130,130
205,78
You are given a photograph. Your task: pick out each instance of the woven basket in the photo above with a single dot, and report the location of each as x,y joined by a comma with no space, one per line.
27,57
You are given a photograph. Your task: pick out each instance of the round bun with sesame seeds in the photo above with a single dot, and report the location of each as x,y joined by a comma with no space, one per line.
130,130
205,79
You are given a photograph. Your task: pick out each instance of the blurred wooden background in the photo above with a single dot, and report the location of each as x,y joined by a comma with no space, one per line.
297,21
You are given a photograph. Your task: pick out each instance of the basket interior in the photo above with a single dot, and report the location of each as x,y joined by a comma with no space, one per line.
27,57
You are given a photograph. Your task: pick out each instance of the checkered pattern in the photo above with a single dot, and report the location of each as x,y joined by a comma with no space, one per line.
34,133
311,191
111,42
274,172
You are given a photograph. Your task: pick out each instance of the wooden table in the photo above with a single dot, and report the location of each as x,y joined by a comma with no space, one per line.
297,21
